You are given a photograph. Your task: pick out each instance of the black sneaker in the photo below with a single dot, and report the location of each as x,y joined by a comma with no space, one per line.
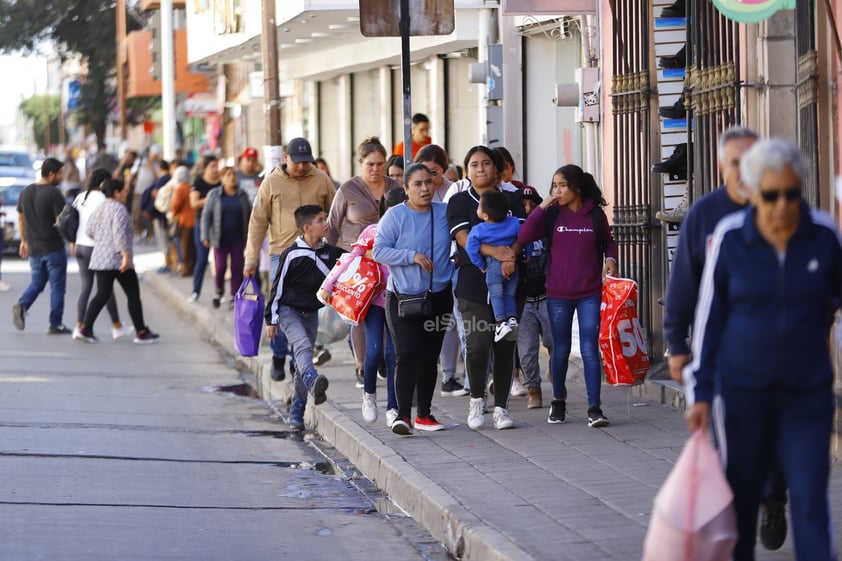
676,164
595,417
678,60
674,10
773,525
146,337
217,300
322,356
557,412
320,389
675,111
452,388
291,366
58,330
19,316
278,371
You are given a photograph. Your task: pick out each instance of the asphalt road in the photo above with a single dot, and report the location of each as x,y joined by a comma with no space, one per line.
130,452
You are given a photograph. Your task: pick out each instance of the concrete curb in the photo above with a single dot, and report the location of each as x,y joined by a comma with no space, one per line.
464,535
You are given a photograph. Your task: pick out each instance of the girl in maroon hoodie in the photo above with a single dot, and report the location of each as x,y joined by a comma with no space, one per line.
582,250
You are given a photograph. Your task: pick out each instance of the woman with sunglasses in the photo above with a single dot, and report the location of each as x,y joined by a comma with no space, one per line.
761,369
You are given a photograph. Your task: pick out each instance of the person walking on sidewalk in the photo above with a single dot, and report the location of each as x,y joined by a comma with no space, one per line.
111,228
38,207
86,203
294,307
359,203
534,320
582,250
185,220
761,369
293,184
225,228
202,185
683,293
484,167
413,240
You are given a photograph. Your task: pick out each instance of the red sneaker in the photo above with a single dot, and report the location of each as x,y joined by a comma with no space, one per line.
428,423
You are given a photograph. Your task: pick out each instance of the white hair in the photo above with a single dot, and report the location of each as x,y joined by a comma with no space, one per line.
181,174
771,155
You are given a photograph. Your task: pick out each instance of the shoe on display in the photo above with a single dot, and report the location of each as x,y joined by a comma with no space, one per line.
678,60
369,408
675,165
677,110
677,214
674,10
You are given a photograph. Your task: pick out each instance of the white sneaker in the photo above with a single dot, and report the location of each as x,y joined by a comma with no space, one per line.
502,419
501,330
4,286
369,407
517,388
122,332
475,416
513,326
193,298
391,417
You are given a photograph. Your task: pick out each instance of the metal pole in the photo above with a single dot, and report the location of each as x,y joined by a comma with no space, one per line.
407,84
167,79
272,151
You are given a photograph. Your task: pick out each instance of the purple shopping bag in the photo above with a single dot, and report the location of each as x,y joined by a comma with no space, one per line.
248,317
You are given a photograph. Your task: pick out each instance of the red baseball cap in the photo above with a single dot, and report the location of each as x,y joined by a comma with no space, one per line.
249,153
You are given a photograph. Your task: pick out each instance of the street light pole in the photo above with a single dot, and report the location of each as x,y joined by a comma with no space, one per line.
167,79
272,151
121,59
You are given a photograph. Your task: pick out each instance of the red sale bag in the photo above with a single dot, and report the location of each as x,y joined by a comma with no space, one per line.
356,288
624,353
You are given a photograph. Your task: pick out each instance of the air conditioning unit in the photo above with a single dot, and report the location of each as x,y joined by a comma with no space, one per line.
583,94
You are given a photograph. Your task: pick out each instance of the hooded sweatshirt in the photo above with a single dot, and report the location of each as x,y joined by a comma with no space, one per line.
574,268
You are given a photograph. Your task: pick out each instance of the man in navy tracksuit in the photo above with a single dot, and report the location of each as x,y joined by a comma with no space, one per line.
761,366
680,305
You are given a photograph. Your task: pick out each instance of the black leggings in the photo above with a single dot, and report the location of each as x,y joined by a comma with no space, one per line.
83,258
417,347
104,291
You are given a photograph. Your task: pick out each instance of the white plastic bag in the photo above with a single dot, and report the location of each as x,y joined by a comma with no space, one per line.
693,517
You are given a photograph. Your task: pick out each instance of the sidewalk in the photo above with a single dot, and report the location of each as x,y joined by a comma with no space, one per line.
539,491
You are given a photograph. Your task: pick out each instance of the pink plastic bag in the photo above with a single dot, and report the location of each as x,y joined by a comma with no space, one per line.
693,517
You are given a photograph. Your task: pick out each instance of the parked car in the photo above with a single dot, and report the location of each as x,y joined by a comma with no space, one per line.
17,162
10,189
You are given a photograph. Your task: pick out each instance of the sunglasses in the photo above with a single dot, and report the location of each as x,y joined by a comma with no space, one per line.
790,194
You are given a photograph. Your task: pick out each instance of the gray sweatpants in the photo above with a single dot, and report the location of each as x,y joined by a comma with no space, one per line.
534,324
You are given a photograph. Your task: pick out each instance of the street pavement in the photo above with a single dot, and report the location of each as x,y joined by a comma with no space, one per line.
125,452
539,491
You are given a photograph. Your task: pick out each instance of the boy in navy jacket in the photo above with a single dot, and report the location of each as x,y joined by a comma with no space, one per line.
293,305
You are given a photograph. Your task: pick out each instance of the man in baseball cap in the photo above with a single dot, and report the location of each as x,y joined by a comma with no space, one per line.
248,172
299,151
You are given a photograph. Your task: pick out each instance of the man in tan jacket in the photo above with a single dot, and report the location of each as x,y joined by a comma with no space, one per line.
294,183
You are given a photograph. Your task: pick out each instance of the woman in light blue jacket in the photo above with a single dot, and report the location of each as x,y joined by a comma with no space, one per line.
413,240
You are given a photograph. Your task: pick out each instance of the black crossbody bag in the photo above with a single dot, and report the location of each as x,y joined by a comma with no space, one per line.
418,305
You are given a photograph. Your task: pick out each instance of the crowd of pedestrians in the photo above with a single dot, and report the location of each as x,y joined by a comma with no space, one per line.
488,268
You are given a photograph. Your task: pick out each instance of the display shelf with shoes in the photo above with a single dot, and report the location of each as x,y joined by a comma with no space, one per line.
675,111
678,60
676,165
675,215
675,10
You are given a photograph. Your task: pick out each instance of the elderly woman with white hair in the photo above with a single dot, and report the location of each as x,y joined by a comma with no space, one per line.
761,368
184,217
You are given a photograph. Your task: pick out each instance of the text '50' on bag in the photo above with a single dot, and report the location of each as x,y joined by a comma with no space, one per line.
419,305
248,317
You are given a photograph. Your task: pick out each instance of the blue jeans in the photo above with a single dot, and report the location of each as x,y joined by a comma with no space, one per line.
501,291
375,327
280,344
50,267
201,265
300,327
561,323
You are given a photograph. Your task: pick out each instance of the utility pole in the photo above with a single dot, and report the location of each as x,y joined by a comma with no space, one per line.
167,79
272,150
121,59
